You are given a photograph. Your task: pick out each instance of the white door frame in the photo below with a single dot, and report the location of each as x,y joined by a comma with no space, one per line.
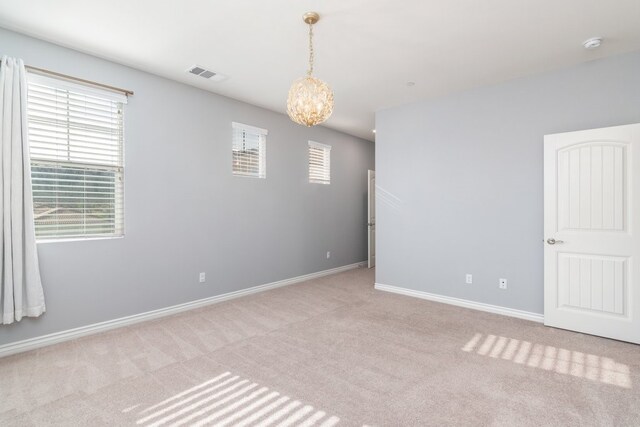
371,218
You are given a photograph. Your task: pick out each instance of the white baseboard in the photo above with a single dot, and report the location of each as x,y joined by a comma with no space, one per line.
496,309
57,337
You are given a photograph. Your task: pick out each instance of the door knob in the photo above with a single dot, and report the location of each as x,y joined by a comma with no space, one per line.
553,241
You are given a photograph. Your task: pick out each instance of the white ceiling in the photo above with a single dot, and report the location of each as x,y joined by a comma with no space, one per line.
367,50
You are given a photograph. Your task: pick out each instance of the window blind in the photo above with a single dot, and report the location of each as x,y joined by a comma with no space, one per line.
249,151
76,137
319,163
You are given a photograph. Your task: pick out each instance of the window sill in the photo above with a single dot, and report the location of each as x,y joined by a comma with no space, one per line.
244,175
77,239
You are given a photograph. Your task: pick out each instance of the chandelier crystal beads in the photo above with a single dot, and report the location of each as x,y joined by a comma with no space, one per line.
310,100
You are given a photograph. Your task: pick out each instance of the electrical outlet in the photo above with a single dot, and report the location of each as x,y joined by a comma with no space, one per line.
468,279
203,277
502,283
328,254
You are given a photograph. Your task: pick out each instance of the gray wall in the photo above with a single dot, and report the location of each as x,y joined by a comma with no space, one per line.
460,179
186,213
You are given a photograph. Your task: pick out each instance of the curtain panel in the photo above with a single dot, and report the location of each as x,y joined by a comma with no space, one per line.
21,291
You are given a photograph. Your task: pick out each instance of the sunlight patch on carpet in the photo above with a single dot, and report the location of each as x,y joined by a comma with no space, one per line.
228,400
550,358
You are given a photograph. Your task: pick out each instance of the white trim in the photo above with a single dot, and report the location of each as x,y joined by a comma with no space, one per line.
249,128
77,239
70,334
319,145
496,309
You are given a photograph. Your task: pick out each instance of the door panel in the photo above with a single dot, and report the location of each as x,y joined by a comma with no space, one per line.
591,182
593,283
591,223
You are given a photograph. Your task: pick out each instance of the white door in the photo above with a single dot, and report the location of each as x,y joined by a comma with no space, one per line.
371,217
592,232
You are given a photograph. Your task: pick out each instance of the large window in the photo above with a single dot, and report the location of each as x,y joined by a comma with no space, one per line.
249,151
319,163
76,141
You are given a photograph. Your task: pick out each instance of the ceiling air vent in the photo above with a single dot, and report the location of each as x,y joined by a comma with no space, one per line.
199,71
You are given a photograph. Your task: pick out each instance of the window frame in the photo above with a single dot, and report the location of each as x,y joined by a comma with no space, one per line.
237,129
118,100
326,163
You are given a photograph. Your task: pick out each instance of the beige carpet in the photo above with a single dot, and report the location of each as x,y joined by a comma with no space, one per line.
331,351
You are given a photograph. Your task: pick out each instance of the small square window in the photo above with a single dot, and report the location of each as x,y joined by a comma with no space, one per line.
319,163
249,151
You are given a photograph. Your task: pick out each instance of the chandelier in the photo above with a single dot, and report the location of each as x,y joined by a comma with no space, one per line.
310,100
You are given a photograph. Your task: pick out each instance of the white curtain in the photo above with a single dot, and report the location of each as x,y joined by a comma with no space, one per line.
20,287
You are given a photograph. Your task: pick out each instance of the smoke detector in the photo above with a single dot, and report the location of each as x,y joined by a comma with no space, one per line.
592,43
199,71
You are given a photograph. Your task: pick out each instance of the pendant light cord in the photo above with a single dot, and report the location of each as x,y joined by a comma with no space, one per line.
310,72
